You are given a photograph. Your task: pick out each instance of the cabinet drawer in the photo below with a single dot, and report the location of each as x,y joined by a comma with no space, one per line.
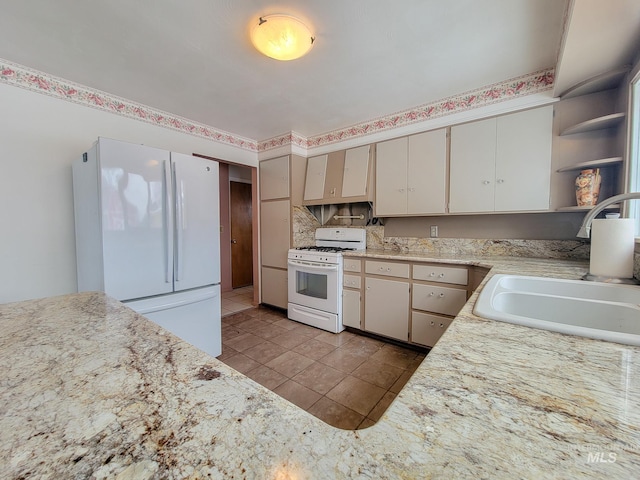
426,329
351,281
388,269
352,265
457,275
444,300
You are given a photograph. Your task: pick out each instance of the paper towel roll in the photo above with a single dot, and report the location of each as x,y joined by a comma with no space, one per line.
612,245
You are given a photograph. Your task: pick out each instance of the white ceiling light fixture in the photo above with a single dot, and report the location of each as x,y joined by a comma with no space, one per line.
282,37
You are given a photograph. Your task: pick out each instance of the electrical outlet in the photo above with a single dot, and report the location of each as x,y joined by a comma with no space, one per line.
434,231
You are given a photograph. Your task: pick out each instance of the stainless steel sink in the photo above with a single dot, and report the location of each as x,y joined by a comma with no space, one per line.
589,309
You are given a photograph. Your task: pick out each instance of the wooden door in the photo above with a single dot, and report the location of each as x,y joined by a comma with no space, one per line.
241,235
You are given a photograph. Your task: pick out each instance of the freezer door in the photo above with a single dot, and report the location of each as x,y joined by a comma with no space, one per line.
137,219
193,316
197,219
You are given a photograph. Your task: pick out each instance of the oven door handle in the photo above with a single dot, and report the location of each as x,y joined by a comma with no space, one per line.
321,267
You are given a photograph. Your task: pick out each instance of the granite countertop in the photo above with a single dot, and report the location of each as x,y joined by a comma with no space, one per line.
91,389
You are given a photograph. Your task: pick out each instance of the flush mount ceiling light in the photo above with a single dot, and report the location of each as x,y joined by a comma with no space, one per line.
282,37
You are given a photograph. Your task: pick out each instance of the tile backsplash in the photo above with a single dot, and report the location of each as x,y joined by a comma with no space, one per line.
305,224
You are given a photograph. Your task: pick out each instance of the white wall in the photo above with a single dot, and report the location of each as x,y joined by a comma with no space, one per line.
40,136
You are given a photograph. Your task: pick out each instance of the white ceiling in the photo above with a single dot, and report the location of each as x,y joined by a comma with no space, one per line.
371,57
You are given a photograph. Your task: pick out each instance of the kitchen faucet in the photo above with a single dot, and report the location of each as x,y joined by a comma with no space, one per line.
585,229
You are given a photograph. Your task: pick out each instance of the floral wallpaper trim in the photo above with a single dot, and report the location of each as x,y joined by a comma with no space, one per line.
23,77
30,79
516,87
291,138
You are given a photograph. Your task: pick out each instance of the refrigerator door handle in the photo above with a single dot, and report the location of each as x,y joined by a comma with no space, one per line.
179,221
168,221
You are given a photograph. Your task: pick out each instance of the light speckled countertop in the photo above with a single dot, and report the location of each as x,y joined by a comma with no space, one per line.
92,390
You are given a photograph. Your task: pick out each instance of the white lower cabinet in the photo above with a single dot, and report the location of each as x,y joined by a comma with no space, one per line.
426,329
351,311
431,298
274,287
387,308
412,302
275,232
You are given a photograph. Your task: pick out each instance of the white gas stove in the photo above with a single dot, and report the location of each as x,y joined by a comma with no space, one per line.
316,275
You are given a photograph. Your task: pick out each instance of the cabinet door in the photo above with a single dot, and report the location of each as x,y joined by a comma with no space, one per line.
445,300
523,160
391,177
389,269
356,172
427,172
351,308
274,178
274,287
426,329
387,308
316,171
275,232
333,177
440,274
352,265
472,167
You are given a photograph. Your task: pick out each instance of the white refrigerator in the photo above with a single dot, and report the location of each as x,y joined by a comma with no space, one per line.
148,234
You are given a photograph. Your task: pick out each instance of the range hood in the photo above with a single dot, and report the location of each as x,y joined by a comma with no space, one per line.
356,214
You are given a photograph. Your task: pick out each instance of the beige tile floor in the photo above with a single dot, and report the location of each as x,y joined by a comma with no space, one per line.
346,380
237,300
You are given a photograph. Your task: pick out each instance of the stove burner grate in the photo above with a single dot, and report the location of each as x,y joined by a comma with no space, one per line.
325,249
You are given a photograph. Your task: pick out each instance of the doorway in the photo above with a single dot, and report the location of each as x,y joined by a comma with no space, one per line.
241,234
233,172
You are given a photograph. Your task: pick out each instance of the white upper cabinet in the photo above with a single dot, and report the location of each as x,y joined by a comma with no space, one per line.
274,178
338,177
316,172
356,172
502,164
411,175
523,160
391,177
473,167
427,173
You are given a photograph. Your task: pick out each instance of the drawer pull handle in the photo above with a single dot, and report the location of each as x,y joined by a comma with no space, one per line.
442,325
432,274
441,295
441,275
432,323
431,294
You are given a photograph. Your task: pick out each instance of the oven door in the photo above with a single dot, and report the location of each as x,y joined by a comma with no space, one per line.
314,285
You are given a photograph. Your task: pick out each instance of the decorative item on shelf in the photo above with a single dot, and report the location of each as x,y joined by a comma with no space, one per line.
588,187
